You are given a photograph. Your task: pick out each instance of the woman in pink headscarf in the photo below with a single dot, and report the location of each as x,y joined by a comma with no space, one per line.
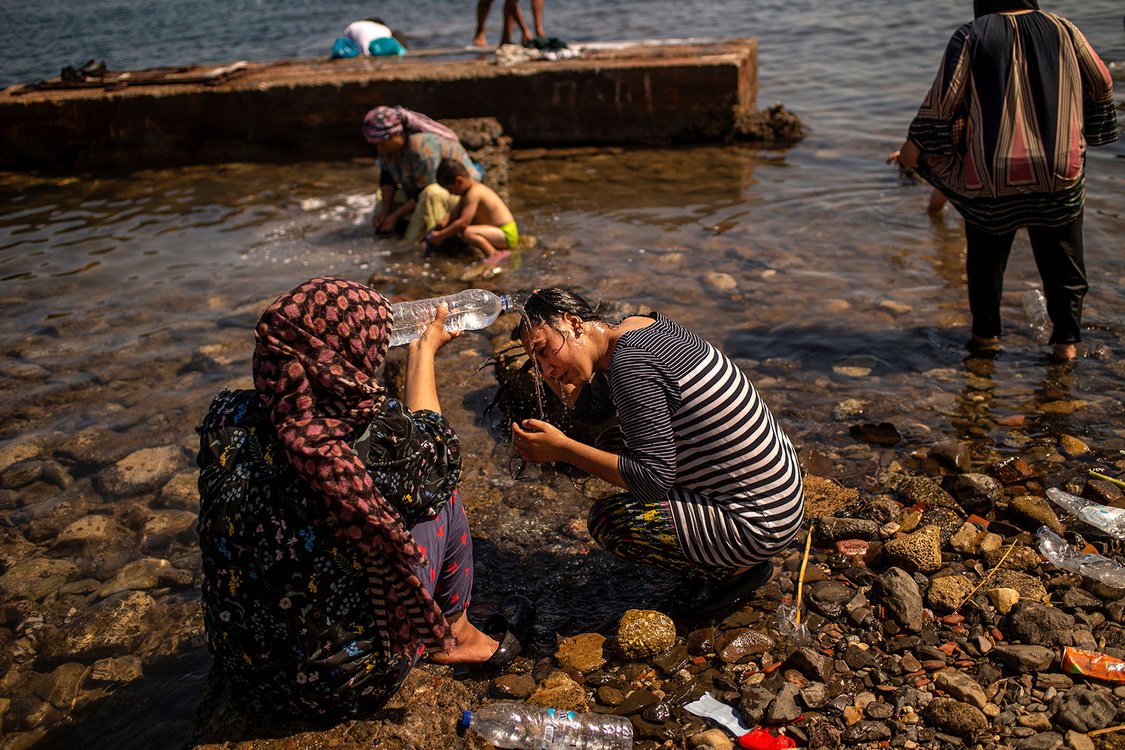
410,147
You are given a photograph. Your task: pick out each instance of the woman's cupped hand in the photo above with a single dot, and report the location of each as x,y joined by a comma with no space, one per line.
539,442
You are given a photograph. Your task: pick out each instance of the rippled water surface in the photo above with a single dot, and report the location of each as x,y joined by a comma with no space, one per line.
128,300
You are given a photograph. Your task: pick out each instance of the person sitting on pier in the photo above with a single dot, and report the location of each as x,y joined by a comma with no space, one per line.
410,147
712,485
334,546
480,219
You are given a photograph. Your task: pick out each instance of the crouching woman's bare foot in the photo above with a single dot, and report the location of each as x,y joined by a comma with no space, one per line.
473,646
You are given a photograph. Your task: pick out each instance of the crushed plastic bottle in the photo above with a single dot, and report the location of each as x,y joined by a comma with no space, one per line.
525,727
1035,310
1100,568
469,310
1107,518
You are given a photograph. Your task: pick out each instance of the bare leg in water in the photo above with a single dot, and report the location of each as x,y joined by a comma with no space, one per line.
483,6
512,16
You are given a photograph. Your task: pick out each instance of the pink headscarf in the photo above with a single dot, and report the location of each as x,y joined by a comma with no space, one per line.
383,122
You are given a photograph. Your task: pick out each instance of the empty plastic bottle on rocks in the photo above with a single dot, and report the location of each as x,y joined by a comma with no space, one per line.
1107,518
1098,567
469,310
526,727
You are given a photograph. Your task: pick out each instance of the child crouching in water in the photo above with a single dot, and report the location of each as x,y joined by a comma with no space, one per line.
480,219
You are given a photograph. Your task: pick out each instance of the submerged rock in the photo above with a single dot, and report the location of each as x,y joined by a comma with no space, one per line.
644,632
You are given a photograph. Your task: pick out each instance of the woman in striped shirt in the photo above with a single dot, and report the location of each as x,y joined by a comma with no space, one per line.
1003,134
712,485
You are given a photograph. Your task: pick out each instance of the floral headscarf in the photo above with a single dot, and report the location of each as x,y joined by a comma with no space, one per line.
382,123
316,351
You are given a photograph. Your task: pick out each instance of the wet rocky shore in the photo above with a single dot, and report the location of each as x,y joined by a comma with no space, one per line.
928,618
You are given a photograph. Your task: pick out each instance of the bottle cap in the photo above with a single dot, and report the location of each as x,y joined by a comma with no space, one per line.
466,719
505,302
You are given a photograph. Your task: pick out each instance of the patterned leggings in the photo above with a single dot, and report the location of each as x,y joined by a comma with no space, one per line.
448,546
644,532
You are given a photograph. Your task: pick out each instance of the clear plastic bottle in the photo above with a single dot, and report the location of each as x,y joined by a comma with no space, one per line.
526,727
1100,568
1035,309
469,310
1107,518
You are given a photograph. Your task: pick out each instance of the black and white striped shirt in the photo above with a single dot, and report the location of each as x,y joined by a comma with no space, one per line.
698,435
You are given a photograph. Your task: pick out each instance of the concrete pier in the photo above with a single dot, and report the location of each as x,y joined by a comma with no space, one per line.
312,109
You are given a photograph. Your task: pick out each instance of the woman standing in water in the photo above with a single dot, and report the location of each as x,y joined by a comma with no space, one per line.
334,547
713,488
1003,134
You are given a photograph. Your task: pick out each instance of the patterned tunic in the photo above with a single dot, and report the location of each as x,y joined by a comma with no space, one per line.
1004,129
415,166
287,604
698,436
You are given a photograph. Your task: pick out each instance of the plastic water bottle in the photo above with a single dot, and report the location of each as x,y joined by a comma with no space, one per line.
1100,568
1035,308
526,727
469,310
1107,518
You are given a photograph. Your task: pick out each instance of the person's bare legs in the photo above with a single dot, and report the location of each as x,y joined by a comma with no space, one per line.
937,202
486,238
473,646
512,16
483,6
537,17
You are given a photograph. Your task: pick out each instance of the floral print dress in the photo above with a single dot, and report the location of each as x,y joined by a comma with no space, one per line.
286,602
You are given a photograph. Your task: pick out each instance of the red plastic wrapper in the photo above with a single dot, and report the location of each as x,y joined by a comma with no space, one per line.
1093,664
760,739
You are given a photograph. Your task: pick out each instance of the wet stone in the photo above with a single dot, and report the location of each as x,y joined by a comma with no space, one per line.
609,696
926,492
902,597
1104,492
879,711
1032,622
164,527
1023,658
920,551
814,695
736,645
829,597
109,628
783,709
947,592
953,454
1084,709
145,470
1035,511
701,641
36,578
962,687
1029,587
811,663
636,702
117,669
583,653
947,520
831,529
558,690
643,633
955,717
1003,599
61,687
672,661
1021,557
866,731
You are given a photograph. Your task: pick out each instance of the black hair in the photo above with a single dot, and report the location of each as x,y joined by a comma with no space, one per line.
449,170
550,305
984,7
376,19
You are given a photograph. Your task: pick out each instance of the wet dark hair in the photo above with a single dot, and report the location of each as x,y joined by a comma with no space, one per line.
550,305
449,170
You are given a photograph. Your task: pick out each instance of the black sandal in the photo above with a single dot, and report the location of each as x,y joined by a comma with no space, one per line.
716,598
511,625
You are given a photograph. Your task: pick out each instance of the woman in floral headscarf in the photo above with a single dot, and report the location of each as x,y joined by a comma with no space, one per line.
334,547
410,147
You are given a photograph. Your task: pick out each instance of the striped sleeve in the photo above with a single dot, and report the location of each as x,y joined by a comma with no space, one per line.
933,128
1099,115
646,397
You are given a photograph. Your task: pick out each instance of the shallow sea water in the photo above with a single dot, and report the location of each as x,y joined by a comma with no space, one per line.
129,300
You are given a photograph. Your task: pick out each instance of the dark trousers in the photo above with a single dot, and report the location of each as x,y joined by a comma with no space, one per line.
1059,258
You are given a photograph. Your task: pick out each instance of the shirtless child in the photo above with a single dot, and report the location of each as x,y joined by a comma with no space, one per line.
479,219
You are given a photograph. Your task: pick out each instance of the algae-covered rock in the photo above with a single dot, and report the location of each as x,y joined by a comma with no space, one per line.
558,690
920,551
644,632
583,653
